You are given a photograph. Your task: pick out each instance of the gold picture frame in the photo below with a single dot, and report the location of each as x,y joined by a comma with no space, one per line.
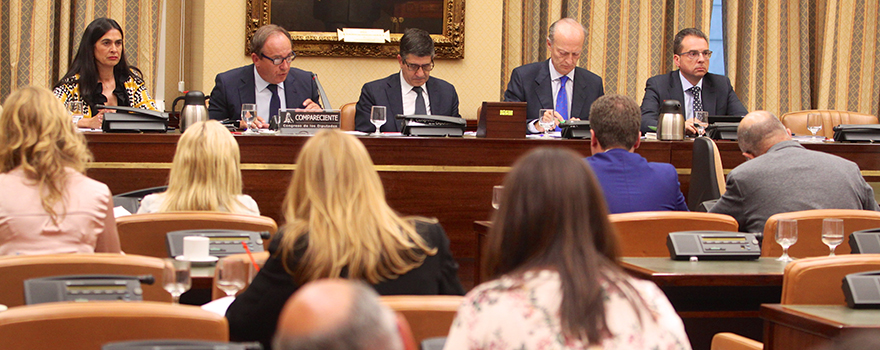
449,44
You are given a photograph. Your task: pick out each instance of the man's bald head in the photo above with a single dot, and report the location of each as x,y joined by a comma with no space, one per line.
758,131
336,314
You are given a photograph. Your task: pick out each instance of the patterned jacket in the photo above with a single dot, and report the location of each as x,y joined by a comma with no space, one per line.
135,87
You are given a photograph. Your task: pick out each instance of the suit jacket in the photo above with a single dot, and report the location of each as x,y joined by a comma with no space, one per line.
531,83
630,183
386,92
791,178
237,86
253,315
717,94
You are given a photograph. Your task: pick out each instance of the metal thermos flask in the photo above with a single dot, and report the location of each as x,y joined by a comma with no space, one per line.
194,109
670,123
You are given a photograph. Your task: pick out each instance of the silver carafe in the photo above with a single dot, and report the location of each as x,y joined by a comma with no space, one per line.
670,123
194,109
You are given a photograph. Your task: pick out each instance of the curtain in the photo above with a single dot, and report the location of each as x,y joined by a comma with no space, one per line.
791,55
628,41
38,38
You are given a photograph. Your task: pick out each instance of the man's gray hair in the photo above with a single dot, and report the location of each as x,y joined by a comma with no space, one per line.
753,139
370,326
568,20
264,33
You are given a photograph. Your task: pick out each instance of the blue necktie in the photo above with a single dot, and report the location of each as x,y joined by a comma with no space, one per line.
275,102
562,100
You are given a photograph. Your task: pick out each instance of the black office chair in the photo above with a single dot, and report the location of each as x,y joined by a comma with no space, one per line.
131,201
707,174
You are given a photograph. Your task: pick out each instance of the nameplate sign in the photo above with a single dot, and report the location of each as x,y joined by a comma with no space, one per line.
358,35
307,122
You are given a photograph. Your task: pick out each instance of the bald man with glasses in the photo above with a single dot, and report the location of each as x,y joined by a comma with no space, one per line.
691,84
411,91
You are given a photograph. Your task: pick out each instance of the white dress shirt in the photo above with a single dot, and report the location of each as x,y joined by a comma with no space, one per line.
689,96
264,96
409,98
555,82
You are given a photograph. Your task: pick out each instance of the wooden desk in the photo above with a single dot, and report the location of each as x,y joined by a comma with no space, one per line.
447,178
798,327
714,296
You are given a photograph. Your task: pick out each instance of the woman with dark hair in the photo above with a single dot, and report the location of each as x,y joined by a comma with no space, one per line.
555,278
100,74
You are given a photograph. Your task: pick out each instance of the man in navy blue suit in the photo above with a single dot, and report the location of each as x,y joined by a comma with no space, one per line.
540,83
412,91
629,182
692,84
269,82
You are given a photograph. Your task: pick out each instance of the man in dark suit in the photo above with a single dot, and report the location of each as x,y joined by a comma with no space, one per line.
269,82
539,83
692,84
404,92
629,182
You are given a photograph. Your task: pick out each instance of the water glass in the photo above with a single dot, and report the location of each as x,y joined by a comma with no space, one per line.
496,196
249,115
76,110
786,236
377,117
701,120
176,278
547,121
814,124
832,233
233,275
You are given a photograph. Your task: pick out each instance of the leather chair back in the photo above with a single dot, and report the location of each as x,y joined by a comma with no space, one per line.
797,121
809,224
144,234
707,174
428,316
643,234
817,281
730,341
88,326
346,116
238,259
15,269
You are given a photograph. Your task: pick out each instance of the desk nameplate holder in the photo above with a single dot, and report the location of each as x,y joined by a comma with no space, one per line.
307,122
502,120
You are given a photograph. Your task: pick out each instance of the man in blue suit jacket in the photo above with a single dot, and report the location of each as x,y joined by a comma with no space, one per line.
629,182
404,92
692,58
539,83
272,54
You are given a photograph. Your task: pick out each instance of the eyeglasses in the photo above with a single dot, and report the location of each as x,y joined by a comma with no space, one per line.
696,54
415,67
277,61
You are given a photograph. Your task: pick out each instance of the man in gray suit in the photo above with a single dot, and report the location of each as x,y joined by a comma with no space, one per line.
782,176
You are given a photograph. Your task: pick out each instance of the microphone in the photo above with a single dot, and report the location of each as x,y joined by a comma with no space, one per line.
324,100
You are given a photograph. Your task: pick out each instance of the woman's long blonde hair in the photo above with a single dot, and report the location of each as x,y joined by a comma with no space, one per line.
38,136
336,202
205,174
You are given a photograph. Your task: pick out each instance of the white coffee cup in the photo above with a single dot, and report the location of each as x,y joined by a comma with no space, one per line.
195,248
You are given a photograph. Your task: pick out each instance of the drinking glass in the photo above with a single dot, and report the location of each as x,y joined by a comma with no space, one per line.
249,115
701,120
176,278
232,276
832,233
377,117
814,124
496,196
76,110
547,121
786,236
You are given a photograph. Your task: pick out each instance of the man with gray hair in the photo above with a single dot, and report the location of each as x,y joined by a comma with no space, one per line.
782,176
336,314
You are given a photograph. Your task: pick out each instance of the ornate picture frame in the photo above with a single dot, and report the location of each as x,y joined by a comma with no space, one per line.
448,45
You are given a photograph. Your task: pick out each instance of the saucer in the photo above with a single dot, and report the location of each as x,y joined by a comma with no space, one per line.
206,260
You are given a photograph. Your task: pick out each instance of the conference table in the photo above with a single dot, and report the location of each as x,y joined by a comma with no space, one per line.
447,178
798,327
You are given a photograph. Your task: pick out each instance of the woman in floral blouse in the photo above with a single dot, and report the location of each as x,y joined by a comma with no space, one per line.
555,279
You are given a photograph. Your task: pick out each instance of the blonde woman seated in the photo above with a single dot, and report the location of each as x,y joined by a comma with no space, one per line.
48,206
205,174
339,225
555,278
